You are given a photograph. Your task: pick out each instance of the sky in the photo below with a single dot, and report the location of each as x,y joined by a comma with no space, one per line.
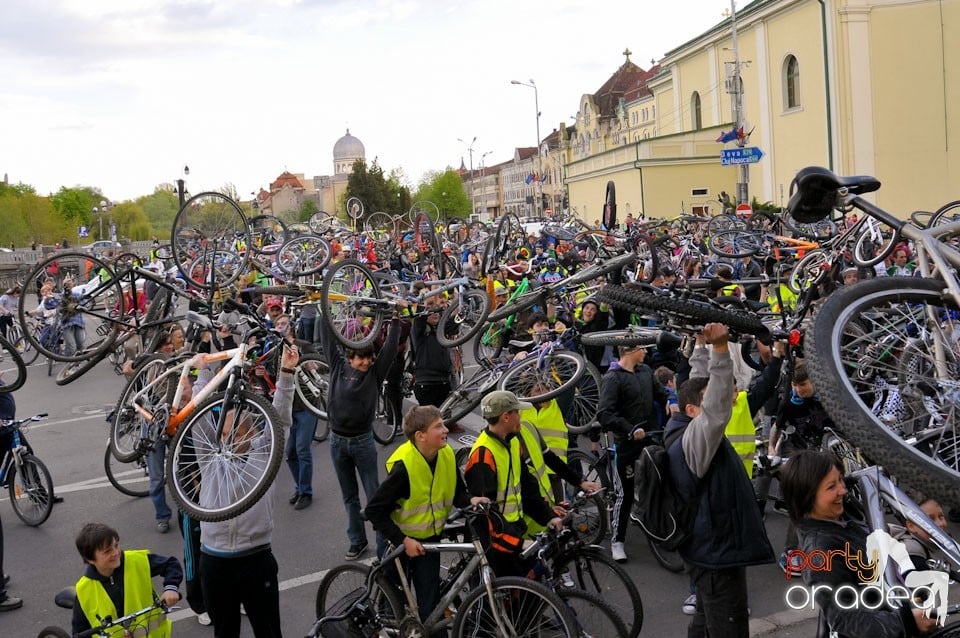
122,94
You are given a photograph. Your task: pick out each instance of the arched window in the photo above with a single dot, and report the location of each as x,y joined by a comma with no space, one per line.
696,120
791,83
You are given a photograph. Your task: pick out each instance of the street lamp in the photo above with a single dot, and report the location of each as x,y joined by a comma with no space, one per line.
99,213
473,186
181,192
483,185
536,105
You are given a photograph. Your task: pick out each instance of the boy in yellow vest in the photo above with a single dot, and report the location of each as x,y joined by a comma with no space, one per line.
117,583
411,506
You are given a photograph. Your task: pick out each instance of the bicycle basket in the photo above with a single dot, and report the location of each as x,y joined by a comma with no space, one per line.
358,623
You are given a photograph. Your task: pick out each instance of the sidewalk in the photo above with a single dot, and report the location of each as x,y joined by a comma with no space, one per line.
786,624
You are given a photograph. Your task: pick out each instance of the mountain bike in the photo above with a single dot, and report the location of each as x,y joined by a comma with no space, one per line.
25,476
13,371
137,623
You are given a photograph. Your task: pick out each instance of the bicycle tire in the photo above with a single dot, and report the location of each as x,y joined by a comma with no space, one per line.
379,227
463,318
347,581
586,400
311,386
945,214
31,490
124,487
597,270
559,371
193,447
54,632
210,221
668,559
13,371
73,370
462,455
842,362
809,271
595,572
129,424
630,336
24,346
589,467
950,631
303,255
488,344
594,616
817,231
384,421
867,253
107,294
529,608
354,323
688,309
591,522
354,208
647,260
467,396
720,223
763,221
267,234
736,243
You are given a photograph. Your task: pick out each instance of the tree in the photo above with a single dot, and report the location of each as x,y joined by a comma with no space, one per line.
447,192
75,204
160,209
370,187
131,221
307,209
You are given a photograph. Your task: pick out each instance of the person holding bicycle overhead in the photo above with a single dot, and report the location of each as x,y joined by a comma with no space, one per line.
117,583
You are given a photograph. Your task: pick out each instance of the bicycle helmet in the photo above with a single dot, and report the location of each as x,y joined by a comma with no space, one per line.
552,264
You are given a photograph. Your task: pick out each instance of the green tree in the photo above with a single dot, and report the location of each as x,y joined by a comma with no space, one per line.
131,221
307,209
446,191
75,204
160,209
370,187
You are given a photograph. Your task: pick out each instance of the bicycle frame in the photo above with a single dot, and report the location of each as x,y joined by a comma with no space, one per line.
13,455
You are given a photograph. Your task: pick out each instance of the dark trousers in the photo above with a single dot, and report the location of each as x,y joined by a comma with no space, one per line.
393,389
3,587
432,393
423,573
190,530
623,486
721,603
250,580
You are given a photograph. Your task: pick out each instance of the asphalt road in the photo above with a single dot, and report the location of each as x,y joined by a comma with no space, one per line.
306,543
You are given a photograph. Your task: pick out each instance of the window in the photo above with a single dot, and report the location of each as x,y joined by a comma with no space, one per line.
791,83
695,118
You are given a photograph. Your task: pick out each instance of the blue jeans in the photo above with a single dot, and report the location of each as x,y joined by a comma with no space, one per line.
297,450
155,468
352,456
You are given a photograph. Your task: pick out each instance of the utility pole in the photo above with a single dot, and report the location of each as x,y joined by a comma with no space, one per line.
473,186
743,170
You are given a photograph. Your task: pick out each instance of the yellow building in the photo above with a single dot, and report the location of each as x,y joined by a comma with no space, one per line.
859,86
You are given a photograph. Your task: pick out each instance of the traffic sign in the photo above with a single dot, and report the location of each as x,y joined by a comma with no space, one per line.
745,155
744,208
83,231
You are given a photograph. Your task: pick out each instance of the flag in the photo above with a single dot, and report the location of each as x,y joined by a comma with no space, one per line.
730,136
743,136
529,178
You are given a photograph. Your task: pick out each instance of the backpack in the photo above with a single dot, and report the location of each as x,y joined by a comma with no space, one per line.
665,516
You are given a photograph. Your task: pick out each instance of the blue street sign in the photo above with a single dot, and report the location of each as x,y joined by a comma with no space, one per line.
83,231
745,155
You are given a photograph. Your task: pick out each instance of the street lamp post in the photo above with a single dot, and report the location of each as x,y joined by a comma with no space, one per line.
99,213
180,186
483,185
473,186
536,104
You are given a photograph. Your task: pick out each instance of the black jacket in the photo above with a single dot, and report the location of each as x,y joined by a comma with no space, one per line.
626,400
431,360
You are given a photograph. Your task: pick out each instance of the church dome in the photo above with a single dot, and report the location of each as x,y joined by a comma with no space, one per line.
348,147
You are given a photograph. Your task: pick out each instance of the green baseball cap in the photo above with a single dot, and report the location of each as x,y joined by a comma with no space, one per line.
500,401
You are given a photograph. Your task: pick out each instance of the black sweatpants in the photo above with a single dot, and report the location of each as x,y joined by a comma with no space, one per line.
250,580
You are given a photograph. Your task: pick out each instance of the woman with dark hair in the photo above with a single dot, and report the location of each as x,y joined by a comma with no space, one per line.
813,491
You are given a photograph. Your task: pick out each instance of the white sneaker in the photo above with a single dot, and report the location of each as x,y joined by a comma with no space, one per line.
690,605
617,552
567,580
204,619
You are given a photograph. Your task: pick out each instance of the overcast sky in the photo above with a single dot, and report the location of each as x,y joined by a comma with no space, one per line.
121,94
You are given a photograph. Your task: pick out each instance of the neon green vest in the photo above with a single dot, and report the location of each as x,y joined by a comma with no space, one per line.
424,514
137,594
509,467
742,433
534,443
788,296
549,422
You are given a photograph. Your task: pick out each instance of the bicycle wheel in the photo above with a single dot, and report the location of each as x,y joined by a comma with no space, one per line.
763,221
736,243
463,399
73,370
817,231
351,302
31,490
53,632
320,222
463,318
23,345
215,478
647,261
885,360
424,207
354,208
596,573
312,385
379,227
13,371
950,631
809,270
526,608
304,255
130,478
586,400
344,584
589,519
588,467
134,431
944,215
557,372
488,344
96,302
669,559
210,240
874,243
267,234
725,222
595,616
384,421
521,302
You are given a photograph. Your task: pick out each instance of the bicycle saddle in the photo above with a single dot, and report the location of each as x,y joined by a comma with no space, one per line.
814,192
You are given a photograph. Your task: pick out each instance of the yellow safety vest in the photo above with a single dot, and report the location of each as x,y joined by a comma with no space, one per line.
509,467
549,422
788,296
534,444
742,433
137,594
729,290
424,513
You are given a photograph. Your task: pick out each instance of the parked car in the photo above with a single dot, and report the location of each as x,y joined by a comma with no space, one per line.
102,247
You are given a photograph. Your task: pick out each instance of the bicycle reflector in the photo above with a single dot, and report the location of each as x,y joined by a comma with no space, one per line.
795,337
